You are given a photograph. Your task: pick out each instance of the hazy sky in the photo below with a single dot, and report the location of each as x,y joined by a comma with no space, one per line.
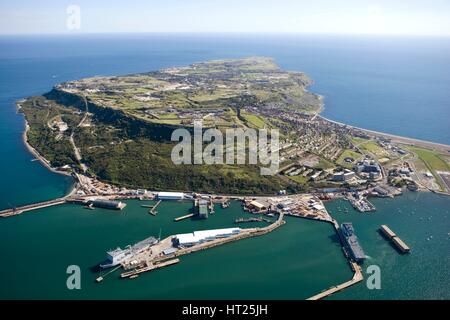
418,17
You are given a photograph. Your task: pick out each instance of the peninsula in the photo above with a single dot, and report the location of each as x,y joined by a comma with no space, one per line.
114,133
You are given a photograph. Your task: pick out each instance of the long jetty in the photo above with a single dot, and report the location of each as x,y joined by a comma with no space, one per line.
18,210
187,216
150,267
357,273
357,277
153,211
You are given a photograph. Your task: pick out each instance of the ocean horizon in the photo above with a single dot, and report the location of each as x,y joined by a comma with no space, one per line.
393,84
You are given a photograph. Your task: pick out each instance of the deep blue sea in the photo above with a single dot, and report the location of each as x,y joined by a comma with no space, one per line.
392,84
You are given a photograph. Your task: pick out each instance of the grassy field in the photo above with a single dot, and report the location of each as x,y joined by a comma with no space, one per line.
374,148
299,179
253,121
447,159
348,154
433,161
357,140
133,116
210,85
324,164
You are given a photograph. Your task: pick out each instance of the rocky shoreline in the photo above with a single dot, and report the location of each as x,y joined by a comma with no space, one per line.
35,153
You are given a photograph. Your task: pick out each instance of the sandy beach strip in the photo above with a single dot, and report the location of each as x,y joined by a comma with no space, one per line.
444,148
37,155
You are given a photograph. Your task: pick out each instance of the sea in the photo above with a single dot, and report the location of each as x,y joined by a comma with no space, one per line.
398,85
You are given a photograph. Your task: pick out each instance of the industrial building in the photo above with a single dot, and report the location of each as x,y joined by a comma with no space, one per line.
374,175
197,237
203,209
170,195
381,191
345,175
258,206
368,166
108,204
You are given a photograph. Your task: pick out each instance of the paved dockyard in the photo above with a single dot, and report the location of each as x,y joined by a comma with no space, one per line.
157,251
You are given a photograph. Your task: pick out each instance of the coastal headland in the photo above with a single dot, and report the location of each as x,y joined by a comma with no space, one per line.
112,135
117,130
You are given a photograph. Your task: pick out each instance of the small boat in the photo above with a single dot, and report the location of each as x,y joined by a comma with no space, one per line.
134,276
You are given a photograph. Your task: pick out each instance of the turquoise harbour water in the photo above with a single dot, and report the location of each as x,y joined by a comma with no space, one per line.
294,262
422,221
397,85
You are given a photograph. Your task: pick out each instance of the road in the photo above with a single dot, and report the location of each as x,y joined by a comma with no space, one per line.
76,150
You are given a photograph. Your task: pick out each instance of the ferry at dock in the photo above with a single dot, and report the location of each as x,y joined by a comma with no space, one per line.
118,255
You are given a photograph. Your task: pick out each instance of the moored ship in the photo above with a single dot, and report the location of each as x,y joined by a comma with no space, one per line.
118,256
351,242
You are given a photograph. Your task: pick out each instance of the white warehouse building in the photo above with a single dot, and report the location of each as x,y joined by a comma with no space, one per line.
170,195
196,237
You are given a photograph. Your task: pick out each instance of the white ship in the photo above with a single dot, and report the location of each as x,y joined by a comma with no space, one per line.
117,256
